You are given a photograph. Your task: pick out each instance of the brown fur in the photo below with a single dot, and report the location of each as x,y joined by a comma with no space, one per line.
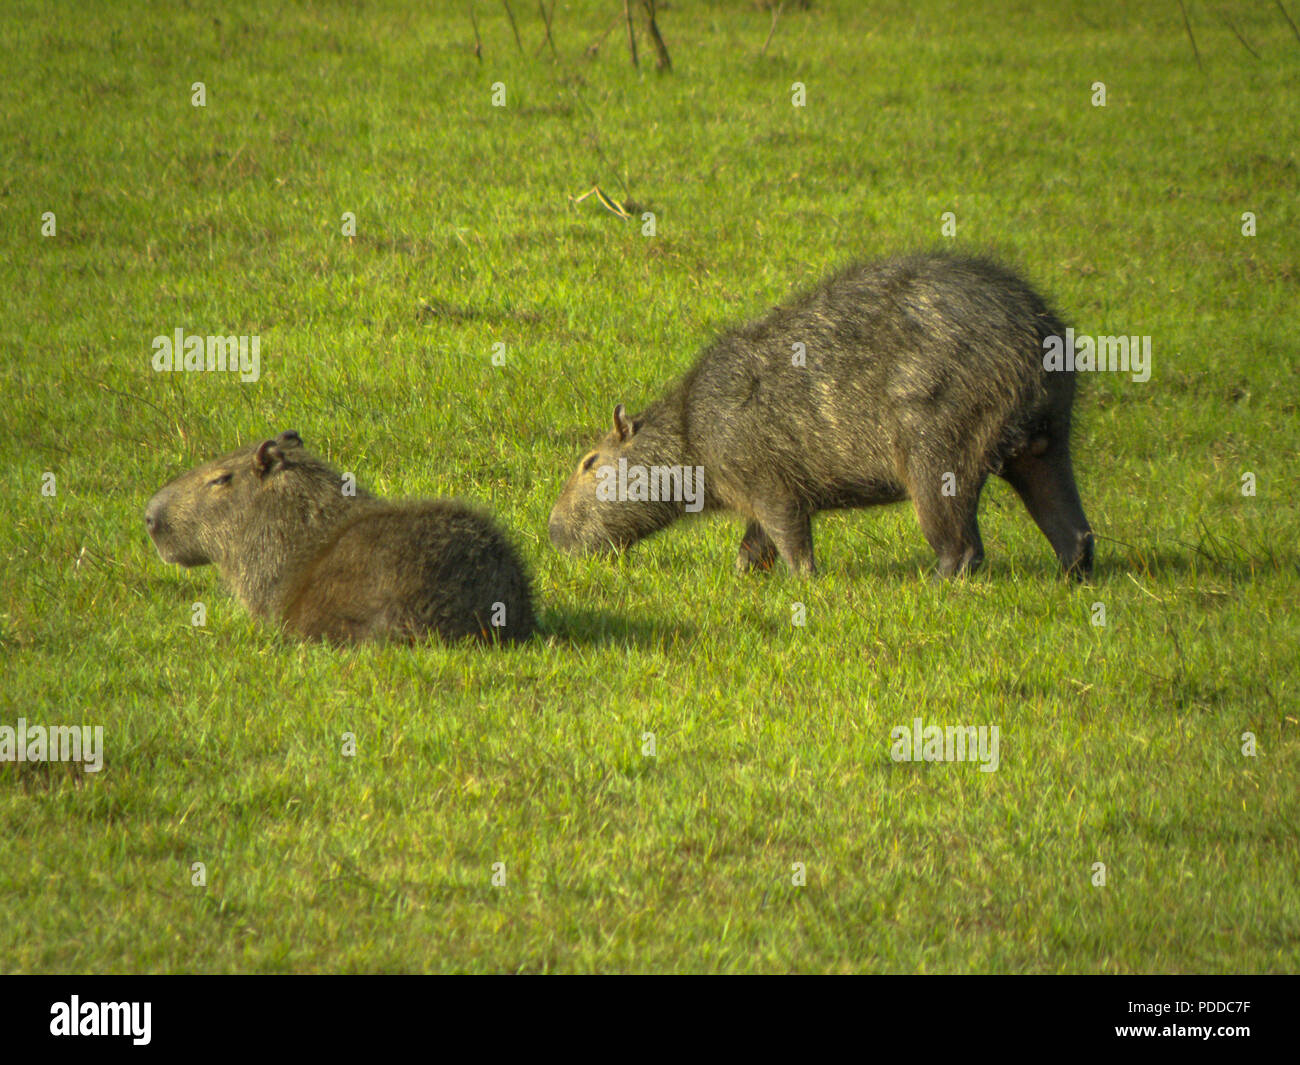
293,547
922,376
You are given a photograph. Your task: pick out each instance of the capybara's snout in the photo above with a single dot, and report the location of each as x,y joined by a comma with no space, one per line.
558,530
574,537
155,516
175,544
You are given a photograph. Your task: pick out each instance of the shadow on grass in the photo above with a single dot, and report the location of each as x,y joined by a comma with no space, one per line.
1231,562
586,626
1113,559
899,569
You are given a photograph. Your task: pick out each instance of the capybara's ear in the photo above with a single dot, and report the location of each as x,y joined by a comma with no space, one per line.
289,438
622,423
267,457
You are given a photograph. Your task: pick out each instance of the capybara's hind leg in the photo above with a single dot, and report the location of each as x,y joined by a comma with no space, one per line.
1044,479
756,550
947,503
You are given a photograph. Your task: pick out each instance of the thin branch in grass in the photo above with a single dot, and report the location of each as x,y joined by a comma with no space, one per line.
1171,627
231,161
1186,22
514,26
1228,554
1144,591
1115,540
139,399
594,47
102,562
776,14
478,41
1244,44
600,152
609,203
662,60
546,20
582,399
1216,541
631,31
1288,19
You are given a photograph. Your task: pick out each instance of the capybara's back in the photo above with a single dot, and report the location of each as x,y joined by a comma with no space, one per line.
928,355
433,566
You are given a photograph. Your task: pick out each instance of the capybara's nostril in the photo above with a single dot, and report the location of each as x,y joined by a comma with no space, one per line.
151,519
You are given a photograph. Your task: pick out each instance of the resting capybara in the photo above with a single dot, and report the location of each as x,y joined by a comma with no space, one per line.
298,544
912,378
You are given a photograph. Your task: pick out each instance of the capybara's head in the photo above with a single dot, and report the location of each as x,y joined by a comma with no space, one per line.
251,499
595,513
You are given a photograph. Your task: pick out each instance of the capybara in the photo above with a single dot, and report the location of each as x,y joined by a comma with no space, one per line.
910,378
299,544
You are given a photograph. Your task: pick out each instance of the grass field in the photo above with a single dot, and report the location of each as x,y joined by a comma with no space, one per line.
1121,743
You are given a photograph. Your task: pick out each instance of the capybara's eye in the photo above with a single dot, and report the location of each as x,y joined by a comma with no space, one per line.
223,479
588,462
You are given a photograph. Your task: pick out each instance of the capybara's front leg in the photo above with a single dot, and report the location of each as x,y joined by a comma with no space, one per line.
756,550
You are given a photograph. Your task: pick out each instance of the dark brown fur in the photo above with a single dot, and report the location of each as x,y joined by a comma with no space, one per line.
276,522
914,368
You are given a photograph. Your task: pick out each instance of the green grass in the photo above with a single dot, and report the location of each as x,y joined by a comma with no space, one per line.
1119,744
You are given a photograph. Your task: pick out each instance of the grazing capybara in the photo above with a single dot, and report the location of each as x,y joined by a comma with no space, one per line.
911,378
300,545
